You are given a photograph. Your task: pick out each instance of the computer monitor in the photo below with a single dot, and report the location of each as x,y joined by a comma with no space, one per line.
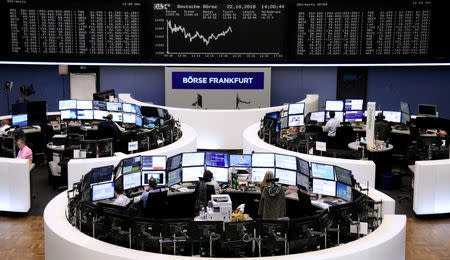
343,191
220,174
240,160
150,122
296,108
117,116
216,159
192,174
303,166
84,104
323,171
138,120
286,177
317,116
284,122
136,108
324,187
100,114
99,105
286,161
296,120
193,159
337,115
259,173
103,191
393,116
427,110
353,116
404,107
20,120
68,114
102,174
85,114
159,176
174,162
334,105
154,162
406,118
263,160
113,106
132,180
273,115
131,164
174,177
129,118
67,104
343,175
354,104
126,108
303,180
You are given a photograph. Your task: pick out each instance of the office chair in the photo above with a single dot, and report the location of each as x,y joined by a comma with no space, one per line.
156,205
202,195
272,237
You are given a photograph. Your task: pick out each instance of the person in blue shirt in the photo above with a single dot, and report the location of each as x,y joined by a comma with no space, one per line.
293,133
150,188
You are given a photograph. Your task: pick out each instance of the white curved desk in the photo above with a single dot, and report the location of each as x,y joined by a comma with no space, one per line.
76,168
15,185
221,128
363,170
63,241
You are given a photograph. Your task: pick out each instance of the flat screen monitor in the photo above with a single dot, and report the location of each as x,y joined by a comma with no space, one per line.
337,115
132,180
220,175
303,166
286,177
303,181
136,108
192,174
153,162
343,175
393,116
296,108
240,160
193,159
353,116
343,191
100,114
99,105
117,117
174,177
150,122
317,116
129,118
259,173
323,171
296,120
263,160
68,114
127,108
334,105
103,191
404,107
67,104
427,110
324,187
406,118
102,174
20,120
286,161
284,122
159,176
84,104
85,114
113,106
174,162
131,164
354,104
273,115
216,159
139,120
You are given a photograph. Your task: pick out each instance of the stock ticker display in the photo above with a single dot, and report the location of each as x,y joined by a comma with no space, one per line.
291,31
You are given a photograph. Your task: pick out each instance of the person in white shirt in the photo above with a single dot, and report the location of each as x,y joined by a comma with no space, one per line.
331,125
121,199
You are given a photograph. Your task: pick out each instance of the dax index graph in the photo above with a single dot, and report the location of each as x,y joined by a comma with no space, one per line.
247,32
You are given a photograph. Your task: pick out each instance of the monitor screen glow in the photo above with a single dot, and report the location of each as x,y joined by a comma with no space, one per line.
343,191
353,116
117,117
100,114
68,114
296,120
337,115
129,118
126,108
303,181
174,177
99,105
67,104
318,116
131,180
286,161
216,159
343,175
192,174
303,167
85,114
20,120
159,176
103,191
323,171
286,177
296,108
324,187
153,162
259,173
334,105
240,160
263,160
84,104
219,174
354,104
113,106
393,116
193,159
131,164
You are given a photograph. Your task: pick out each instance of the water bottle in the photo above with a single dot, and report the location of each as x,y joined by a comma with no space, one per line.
429,152
357,137
202,212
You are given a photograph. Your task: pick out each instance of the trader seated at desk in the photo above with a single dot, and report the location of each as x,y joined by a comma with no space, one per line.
208,178
109,129
4,127
24,151
150,188
293,133
382,129
121,199
332,124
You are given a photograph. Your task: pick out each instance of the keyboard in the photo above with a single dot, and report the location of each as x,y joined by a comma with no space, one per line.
331,203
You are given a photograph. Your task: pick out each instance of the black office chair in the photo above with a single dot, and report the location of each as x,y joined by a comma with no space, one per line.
344,136
156,205
202,195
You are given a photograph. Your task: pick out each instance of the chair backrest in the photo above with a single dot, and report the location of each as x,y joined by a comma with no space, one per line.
156,203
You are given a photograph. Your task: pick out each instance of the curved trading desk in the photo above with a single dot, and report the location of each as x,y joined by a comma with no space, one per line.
63,241
221,128
363,170
78,167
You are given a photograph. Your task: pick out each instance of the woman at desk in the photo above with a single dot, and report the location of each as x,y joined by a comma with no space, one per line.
208,177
